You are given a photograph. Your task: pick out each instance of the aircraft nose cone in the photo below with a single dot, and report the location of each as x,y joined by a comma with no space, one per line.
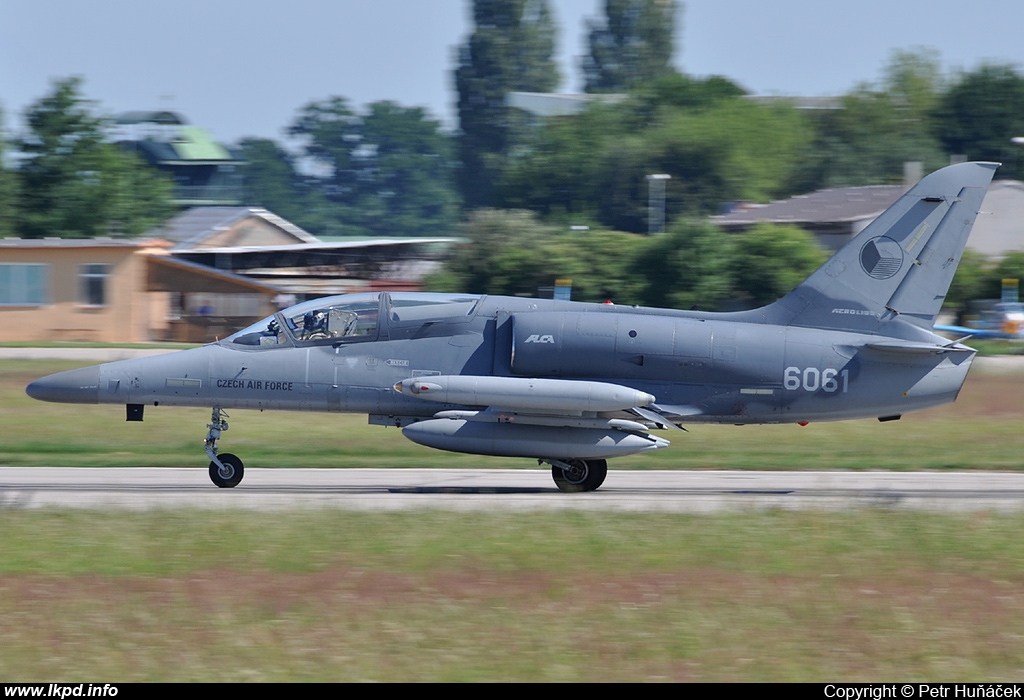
74,386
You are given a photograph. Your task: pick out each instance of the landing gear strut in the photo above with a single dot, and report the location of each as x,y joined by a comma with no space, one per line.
577,475
226,470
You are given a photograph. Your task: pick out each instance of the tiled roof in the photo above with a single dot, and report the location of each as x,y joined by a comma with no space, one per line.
838,205
190,228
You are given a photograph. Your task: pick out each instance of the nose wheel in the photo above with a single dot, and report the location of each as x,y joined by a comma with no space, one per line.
226,470
228,473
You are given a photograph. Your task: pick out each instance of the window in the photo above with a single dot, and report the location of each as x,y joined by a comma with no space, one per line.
350,318
92,284
24,285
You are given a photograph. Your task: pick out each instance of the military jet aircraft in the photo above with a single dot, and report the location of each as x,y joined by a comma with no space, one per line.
574,384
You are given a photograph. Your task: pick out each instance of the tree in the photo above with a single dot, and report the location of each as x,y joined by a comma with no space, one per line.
633,44
880,127
8,189
687,268
981,112
772,260
592,168
558,175
270,179
971,281
74,183
386,172
511,49
491,236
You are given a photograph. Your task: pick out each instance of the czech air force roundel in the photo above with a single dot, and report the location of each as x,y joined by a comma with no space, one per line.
881,257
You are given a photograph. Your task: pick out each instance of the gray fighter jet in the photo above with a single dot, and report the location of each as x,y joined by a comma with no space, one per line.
574,384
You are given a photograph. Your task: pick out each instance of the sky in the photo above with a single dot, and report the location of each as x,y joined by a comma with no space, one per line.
246,67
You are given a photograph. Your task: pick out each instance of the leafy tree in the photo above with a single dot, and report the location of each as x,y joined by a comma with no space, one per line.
74,183
511,49
270,179
8,189
676,90
511,253
879,127
692,266
687,268
772,260
633,44
733,150
971,281
981,112
491,236
559,174
592,168
1010,267
386,172
408,160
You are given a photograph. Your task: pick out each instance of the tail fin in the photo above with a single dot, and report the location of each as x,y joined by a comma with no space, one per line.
900,266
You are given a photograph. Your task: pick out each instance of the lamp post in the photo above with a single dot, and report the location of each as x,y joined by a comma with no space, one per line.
656,203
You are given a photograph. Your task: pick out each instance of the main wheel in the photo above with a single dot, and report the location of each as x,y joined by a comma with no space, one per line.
230,475
582,475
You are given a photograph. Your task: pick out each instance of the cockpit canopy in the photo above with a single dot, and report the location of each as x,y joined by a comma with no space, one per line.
352,318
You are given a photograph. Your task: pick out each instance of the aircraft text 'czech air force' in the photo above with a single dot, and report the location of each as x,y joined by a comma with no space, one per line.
574,384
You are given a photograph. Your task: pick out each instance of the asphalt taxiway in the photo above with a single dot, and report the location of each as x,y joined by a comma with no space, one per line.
507,489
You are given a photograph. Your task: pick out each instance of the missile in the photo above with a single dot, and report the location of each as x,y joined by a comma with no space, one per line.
540,441
558,395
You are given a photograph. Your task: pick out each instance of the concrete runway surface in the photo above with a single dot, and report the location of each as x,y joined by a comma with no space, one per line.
507,489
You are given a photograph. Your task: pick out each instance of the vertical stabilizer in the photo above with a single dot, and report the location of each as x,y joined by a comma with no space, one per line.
900,266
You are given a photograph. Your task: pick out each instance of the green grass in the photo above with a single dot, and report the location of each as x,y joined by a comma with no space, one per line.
328,595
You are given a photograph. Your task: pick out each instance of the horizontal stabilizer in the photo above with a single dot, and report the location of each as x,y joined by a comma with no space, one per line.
918,348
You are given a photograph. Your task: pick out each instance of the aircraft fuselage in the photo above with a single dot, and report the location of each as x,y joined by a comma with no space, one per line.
698,366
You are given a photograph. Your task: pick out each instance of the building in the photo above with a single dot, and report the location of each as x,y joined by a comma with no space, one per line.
261,246
205,173
78,290
200,276
834,216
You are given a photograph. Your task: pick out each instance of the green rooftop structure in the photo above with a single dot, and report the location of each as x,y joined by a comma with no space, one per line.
205,172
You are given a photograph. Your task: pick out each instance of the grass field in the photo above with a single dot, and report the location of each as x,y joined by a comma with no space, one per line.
329,595
335,596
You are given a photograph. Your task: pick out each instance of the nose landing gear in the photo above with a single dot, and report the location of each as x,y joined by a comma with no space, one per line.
226,470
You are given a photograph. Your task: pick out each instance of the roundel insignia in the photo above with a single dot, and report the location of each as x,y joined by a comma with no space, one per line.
881,257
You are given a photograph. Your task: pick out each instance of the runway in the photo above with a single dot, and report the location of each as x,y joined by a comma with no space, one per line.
507,489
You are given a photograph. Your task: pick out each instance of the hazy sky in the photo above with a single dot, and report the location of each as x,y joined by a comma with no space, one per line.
245,67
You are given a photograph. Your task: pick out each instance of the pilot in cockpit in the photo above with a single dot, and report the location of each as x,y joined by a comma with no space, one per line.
314,324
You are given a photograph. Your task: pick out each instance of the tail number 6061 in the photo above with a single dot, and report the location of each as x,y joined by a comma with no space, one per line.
814,379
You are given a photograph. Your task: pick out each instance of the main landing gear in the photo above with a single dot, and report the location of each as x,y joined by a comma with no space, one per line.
226,470
577,475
